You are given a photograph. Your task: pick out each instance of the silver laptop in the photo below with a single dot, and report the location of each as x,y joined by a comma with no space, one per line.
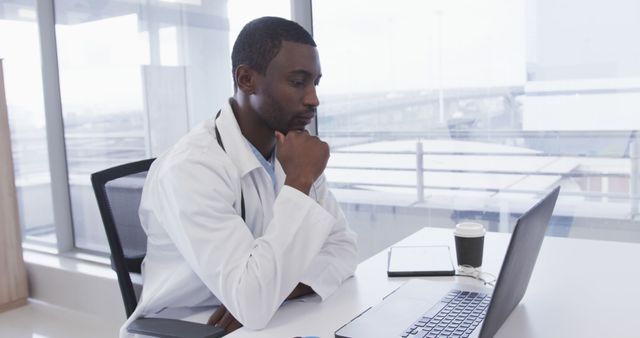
422,308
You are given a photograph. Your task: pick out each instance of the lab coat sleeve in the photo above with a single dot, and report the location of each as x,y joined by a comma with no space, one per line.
338,258
250,276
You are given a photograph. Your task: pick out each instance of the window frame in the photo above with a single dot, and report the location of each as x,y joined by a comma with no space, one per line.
61,199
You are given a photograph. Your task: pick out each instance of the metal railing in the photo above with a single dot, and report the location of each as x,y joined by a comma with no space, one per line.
631,153
91,150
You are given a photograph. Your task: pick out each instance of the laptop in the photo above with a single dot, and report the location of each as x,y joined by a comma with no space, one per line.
423,308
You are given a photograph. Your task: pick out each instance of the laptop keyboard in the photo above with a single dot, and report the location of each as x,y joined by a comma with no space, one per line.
456,315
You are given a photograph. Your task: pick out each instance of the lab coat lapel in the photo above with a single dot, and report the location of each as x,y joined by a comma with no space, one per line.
256,185
237,147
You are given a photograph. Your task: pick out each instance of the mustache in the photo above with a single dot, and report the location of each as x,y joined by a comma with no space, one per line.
310,111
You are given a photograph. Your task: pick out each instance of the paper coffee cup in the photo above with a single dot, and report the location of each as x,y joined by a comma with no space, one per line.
469,238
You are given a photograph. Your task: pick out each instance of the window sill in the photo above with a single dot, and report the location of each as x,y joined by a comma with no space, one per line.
77,281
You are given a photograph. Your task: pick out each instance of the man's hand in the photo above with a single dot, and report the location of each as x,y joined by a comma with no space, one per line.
223,319
303,158
300,290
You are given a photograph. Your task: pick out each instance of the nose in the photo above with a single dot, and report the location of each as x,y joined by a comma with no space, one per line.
311,98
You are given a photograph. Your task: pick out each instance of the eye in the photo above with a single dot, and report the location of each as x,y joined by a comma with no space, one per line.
297,83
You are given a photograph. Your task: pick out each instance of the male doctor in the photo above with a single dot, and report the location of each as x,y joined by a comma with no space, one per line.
237,213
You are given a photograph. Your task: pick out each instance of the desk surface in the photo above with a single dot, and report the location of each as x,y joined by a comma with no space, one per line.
571,294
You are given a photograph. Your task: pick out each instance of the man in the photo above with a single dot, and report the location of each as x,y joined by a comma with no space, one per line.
238,213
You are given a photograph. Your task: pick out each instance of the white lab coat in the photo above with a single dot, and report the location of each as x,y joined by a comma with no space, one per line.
201,253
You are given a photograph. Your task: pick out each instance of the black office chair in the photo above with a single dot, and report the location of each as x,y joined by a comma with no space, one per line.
118,191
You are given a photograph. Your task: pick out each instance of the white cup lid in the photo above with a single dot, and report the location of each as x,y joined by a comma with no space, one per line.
469,229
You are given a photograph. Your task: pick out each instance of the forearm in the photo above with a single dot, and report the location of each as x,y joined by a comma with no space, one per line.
337,260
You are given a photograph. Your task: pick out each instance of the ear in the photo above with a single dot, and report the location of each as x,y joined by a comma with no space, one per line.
246,79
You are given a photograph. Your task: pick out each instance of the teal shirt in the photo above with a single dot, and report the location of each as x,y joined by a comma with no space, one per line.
268,165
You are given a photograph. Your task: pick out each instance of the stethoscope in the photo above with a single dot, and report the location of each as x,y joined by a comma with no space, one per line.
242,212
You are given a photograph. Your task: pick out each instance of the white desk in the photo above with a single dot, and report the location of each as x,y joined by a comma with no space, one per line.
572,293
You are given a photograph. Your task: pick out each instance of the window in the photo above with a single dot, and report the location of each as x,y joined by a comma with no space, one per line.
436,111
134,77
444,111
20,51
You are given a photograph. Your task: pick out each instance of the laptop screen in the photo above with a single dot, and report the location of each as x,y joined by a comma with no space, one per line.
518,263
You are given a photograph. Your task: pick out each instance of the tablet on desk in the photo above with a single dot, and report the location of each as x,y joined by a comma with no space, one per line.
406,261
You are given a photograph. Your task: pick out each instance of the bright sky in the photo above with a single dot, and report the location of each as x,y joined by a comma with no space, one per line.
420,44
364,45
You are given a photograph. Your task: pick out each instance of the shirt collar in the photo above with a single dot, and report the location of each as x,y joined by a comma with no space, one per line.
267,165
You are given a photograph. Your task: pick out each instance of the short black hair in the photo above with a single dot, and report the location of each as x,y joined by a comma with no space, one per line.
259,42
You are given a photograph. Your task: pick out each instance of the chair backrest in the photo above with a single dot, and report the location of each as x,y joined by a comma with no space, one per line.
118,191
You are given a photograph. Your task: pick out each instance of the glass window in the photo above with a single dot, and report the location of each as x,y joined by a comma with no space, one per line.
444,111
20,51
134,77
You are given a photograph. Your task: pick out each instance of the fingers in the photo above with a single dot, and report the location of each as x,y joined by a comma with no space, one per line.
226,320
234,325
217,315
281,136
229,323
300,136
223,319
